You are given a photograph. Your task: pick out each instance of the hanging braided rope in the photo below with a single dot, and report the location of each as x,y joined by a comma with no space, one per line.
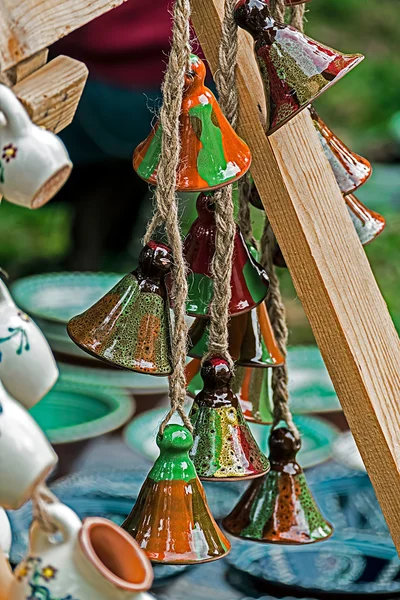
166,200
41,499
278,10
277,314
297,16
221,268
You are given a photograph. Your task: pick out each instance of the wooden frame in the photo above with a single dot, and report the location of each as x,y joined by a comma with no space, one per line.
330,271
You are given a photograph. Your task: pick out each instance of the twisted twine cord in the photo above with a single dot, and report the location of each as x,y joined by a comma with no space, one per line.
221,268
41,499
277,314
297,16
166,200
278,10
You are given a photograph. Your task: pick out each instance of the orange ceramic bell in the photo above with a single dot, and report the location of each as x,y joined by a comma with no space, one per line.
368,224
224,448
171,520
251,339
351,170
295,69
129,326
249,281
279,508
212,155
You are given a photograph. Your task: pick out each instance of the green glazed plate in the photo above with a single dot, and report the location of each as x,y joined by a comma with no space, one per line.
137,383
311,390
58,297
71,413
317,436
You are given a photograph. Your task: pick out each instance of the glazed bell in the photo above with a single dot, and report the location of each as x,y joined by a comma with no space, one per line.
279,508
252,386
368,224
251,339
171,520
295,69
129,327
224,447
249,281
351,170
212,154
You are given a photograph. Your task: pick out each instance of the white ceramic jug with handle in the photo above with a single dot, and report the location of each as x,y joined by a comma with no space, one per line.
93,560
26,457
34,163
5,547
27,366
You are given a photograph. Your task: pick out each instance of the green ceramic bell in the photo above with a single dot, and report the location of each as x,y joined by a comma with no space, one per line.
171,520
279,508
129,327
224,448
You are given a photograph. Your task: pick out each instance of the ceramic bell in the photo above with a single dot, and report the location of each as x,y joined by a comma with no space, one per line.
251,339
129,327
368,224
95,559
27,366
171,520
252,386
279,508
295,69
249,281
224,447
212,155
351,170
26,456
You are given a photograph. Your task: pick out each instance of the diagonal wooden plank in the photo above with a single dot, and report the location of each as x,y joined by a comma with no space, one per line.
329,268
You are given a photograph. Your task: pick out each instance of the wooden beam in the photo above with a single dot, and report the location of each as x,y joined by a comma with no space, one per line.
27,66
27,26
329,268
51,94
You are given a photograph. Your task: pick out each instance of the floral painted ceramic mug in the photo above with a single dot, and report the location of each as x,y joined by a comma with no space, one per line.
26,457
34,163
95,559
27,366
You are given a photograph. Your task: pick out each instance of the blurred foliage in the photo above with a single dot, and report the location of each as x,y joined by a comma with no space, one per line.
360,108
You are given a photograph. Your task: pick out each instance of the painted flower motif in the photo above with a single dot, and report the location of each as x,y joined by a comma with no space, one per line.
23,572
48,573
9,152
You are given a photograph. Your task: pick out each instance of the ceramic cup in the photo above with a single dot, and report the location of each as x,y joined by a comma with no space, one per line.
93,559
27,366
34,163
26,457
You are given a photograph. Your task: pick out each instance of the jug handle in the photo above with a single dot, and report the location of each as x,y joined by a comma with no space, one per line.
17,119
64,520
5,295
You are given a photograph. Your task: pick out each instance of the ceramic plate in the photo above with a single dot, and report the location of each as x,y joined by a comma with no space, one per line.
137,383
352,563
311,390
345,451
70,412
108,495
317,436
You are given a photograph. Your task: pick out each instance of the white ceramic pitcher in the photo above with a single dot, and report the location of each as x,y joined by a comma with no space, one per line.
34,163
95,560
26,457
27,366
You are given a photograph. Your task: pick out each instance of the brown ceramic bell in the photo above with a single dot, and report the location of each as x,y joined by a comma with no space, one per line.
351,170
129,327
249,281
171,520
295,69
212,154
251,339
279,508
224,448
368,224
